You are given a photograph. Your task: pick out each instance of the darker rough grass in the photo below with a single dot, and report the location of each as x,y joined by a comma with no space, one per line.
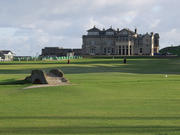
90,130
89,118
14,82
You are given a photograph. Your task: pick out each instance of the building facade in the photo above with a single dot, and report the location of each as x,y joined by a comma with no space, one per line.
57,52
119,42
6,55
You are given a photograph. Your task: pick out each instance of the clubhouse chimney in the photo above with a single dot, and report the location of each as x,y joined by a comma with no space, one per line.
135,30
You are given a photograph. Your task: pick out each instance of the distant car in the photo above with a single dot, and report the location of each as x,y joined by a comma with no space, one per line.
157,54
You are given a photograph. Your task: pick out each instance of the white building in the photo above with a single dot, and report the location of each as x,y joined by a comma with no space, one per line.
6,55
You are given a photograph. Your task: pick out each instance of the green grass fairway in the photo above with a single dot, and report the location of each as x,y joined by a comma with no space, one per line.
107,98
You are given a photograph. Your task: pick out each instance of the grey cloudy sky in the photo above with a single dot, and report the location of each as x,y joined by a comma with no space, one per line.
26,26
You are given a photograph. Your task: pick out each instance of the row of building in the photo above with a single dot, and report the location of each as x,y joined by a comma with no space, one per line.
104,42
111,42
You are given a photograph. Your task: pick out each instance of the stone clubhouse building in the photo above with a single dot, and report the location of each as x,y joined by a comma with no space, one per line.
119,42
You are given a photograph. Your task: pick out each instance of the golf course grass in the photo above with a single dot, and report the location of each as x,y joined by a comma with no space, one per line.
106,96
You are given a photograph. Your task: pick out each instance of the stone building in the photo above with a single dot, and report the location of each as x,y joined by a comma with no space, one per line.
57,52
119,42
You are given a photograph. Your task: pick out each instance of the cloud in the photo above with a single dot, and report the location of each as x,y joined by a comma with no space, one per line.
92,22
171,37
155,23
